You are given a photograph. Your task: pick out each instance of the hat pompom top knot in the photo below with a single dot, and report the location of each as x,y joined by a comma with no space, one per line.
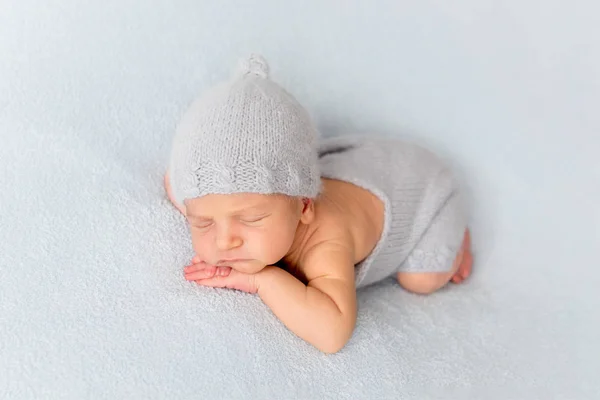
256,65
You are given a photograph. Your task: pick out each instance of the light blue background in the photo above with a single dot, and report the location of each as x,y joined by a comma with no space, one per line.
507,91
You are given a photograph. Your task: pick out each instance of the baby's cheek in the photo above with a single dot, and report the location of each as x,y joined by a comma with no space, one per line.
201,247
275,247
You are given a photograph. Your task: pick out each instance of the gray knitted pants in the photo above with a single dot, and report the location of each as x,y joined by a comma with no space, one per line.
425,218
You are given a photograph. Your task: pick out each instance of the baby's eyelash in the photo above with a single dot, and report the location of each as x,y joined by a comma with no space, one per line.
203,226
255,219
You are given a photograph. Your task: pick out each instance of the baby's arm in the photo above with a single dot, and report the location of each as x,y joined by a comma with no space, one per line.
323,312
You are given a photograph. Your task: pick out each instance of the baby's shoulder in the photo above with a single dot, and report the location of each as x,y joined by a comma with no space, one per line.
353,215
330,251
331,258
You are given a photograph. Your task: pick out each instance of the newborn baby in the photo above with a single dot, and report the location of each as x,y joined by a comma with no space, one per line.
301,221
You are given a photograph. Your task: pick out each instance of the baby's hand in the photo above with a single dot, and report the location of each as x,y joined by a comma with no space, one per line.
198,269
222,277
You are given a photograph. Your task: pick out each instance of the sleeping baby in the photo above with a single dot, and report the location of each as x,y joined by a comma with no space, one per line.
303,221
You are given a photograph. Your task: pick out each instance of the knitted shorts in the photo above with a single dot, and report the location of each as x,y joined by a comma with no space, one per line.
425,219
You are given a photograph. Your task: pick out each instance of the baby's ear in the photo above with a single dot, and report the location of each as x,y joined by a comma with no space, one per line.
308,210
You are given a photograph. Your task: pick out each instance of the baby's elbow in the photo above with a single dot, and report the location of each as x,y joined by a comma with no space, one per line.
331,347
333,342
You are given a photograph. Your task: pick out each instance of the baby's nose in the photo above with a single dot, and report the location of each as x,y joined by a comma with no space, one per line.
226,241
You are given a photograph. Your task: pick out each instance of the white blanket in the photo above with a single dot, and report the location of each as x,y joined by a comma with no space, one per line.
93,304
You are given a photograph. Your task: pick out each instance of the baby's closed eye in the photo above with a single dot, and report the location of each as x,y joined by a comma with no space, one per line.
202,223
252,219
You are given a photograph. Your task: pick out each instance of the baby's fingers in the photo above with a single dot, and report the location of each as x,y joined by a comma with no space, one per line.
197,266
204,274
208,272
197,271
196,259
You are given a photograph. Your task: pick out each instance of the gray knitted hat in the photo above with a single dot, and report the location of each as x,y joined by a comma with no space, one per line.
245,135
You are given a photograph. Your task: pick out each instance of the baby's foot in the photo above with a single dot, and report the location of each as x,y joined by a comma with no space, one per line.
466,260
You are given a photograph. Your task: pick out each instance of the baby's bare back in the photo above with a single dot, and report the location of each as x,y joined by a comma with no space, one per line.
349,215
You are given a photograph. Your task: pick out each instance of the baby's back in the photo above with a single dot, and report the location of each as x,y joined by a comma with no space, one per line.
346,215
348,212
380,196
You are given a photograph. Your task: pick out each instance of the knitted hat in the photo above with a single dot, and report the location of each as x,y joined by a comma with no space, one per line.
245,135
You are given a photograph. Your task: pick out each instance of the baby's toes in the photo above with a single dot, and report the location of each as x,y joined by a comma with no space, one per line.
467,265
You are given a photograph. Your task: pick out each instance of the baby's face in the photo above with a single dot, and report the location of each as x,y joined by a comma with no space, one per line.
254,229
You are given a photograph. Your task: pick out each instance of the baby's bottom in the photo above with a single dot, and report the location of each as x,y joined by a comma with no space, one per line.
429,282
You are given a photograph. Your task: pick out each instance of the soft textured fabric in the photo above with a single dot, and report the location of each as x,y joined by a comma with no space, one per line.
93,302
424,219
245,135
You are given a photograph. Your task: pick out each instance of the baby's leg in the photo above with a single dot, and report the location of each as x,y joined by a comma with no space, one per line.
170,195
429,282
443,252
